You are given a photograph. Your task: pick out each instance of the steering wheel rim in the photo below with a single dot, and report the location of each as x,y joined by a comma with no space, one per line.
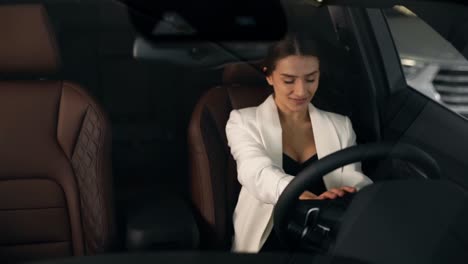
289,197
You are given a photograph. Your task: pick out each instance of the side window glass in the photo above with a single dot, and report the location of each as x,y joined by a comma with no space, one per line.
430,63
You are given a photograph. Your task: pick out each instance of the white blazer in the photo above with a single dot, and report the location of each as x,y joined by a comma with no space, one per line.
255,137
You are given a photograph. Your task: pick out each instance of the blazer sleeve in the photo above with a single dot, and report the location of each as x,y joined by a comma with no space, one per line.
255,169
352,173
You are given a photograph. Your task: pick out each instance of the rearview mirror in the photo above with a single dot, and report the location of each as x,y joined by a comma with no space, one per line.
208,20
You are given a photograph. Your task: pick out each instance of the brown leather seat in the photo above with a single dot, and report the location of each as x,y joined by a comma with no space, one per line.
214,185
55,176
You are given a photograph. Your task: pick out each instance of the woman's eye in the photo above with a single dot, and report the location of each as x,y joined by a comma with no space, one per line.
310,81
289,81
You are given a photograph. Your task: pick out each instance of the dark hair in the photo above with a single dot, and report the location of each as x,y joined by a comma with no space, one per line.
292,44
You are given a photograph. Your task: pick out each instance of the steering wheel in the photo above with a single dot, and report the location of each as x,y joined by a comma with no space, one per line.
289,197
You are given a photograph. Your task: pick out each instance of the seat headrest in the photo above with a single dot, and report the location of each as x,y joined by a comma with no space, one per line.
247,96
27,43
244,73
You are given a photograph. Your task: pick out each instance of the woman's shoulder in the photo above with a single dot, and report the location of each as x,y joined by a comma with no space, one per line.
250,113
243,118
244,114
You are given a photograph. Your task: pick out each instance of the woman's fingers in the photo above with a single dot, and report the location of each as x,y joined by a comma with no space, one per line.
338,192
328,195
348,189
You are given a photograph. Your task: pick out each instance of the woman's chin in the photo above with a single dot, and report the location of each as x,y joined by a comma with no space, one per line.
298,103
294,105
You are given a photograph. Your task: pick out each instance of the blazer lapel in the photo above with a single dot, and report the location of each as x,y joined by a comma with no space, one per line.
270,130
326,141
325,135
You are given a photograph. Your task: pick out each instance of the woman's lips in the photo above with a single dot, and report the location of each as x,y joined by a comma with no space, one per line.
299,101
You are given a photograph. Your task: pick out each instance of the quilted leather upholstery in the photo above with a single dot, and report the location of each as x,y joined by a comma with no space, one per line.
86,164
55,167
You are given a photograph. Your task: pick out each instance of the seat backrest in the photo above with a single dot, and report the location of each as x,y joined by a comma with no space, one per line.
55,176
214,185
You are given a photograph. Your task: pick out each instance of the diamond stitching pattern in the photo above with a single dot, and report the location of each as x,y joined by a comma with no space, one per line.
85,165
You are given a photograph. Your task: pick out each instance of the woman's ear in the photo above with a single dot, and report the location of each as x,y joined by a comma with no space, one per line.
269,80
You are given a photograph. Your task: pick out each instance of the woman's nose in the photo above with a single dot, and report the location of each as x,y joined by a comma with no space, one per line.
300,89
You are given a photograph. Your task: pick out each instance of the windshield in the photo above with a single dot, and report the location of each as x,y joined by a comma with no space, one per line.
146,111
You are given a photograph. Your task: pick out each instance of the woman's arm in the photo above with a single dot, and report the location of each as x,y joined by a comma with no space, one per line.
255,169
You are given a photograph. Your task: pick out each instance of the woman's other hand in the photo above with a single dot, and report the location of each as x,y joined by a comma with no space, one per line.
330,194
337,192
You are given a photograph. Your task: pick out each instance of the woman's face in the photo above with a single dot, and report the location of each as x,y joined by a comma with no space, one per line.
295,81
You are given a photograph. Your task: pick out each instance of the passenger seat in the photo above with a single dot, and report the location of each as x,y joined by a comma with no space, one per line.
55,167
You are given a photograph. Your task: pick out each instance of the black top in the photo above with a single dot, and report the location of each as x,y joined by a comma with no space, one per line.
292,167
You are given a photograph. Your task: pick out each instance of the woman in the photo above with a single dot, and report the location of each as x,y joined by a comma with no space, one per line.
271,143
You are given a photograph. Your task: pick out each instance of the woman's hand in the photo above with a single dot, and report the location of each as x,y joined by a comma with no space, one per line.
336,192
308,196
330,194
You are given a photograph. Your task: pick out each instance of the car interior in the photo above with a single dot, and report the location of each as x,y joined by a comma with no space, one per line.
110,147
